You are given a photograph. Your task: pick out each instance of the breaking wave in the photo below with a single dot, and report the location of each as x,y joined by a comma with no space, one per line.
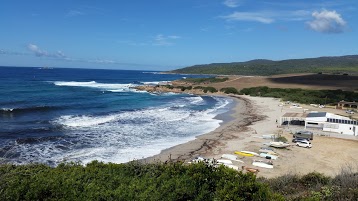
28,109
123,136
102,86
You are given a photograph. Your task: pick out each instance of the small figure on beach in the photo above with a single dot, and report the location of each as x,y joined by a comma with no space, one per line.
252,170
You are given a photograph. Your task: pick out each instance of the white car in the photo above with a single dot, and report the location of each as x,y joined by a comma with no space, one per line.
349,112
305,144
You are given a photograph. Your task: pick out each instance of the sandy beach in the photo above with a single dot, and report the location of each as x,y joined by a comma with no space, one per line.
256,116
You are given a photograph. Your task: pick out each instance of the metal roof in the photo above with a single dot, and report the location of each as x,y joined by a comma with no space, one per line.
317,114
292,115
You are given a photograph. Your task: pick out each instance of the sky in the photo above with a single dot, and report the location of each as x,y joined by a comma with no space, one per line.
170,34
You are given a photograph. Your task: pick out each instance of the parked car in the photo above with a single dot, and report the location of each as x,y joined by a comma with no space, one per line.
306,144
299,139
349,112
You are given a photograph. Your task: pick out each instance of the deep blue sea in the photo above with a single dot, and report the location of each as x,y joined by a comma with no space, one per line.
60,115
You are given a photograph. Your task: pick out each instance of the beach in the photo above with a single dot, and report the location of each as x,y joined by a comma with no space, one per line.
253,117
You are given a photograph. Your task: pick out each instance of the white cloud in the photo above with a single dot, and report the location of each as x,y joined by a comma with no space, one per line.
327,22
249,16
231,3
42,53
36,51
268,17
162,40
33,48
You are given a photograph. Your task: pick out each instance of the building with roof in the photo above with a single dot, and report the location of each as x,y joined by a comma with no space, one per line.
347,105
323,120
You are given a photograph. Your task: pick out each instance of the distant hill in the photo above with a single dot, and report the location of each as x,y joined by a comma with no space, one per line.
338,65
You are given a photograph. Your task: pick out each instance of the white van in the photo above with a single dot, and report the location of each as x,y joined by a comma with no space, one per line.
306,144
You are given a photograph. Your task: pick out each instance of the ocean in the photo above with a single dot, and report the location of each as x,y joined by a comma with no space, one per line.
59,115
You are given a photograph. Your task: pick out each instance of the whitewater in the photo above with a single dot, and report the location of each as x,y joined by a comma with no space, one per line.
81,115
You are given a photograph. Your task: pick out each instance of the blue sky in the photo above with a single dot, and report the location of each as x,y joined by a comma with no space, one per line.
169,34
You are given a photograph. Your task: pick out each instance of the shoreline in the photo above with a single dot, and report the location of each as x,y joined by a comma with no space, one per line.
254,117
238,118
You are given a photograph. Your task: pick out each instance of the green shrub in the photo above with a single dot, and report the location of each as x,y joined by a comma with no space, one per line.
229,90
206,89
206,80
168,86
281,139
131,181
210,89
303,95
183,88
314,178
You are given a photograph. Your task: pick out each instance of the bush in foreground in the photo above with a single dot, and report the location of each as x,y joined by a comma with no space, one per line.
132,181
316,186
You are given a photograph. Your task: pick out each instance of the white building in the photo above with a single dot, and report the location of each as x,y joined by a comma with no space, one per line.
332,123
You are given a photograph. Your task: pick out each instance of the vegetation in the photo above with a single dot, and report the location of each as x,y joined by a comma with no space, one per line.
206,80
230,90
281,139
183,88
207,89
337,65
166,181
167,86
132,181
316,186
303,95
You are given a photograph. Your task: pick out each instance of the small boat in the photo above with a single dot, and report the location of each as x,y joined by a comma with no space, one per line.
224,161
229,156
243,154
279,144
263,161
232,166
265,149
268,136
262,164
251,152
268,156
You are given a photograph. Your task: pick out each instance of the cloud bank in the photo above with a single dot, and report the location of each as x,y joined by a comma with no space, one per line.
327,22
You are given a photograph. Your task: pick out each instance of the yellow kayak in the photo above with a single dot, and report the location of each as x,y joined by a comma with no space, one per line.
242,153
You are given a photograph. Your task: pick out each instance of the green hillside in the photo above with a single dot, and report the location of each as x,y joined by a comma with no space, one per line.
341,64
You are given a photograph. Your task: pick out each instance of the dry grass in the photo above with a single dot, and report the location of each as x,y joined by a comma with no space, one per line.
304,81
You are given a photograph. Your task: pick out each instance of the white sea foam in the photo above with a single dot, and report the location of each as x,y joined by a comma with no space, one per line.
7,109
104,86
123,136
196,100
156,83
84,121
